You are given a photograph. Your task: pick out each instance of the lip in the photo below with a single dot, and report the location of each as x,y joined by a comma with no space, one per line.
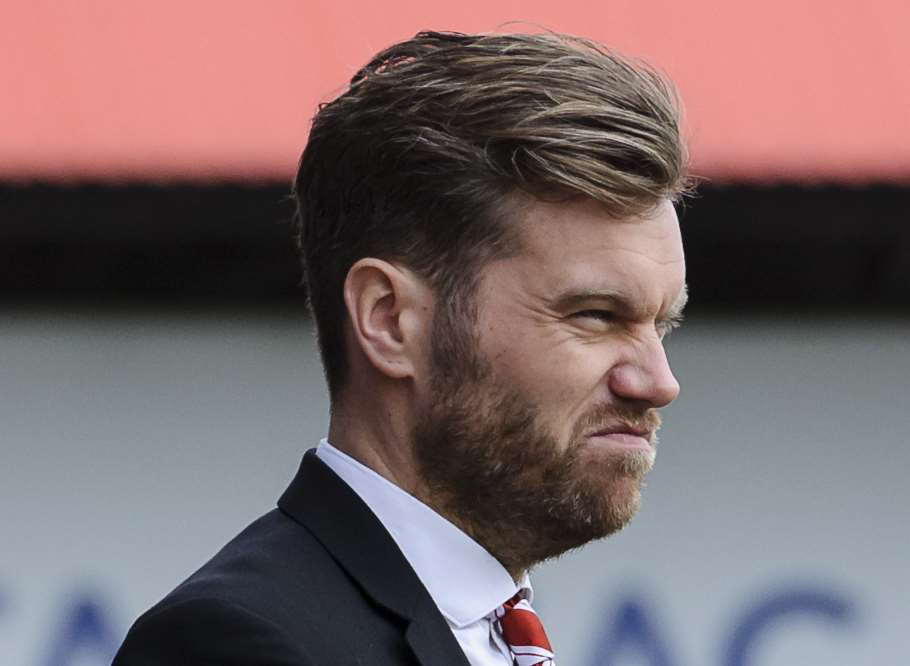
622,429
623,437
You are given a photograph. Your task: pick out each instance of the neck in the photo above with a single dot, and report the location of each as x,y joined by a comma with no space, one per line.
376,438
388,451
503,543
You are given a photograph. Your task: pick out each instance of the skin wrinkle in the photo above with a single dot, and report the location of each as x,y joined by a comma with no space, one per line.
502,438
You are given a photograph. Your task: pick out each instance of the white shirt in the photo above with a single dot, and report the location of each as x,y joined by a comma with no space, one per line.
466,582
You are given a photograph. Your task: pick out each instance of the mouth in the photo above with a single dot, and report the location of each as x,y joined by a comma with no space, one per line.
624,435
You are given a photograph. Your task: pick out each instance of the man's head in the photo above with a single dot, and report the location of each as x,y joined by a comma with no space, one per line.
506,200
549,425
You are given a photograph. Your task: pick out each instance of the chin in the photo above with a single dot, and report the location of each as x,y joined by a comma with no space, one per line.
613,488
625,499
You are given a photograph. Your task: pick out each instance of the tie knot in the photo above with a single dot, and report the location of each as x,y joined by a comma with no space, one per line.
523,631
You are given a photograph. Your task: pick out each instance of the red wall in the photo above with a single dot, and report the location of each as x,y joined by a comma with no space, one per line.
109,89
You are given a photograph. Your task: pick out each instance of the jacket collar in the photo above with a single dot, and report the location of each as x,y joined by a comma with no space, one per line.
338,518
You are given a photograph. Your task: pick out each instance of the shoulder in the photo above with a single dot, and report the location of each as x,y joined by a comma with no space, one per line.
207,631
262,599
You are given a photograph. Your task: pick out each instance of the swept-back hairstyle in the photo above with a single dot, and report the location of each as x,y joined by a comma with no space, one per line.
419,159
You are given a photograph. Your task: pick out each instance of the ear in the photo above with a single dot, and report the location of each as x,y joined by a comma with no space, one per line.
390,308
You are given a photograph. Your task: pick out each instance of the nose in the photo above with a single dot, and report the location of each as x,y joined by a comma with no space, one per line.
645,376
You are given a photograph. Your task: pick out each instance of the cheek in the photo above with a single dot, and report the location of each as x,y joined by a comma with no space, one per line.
563,381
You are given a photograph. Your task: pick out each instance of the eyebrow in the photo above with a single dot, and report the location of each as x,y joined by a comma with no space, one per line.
576,298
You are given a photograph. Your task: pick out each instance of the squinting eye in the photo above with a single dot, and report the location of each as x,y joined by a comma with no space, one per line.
599,315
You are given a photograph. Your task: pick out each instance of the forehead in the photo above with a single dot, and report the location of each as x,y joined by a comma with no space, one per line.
577,245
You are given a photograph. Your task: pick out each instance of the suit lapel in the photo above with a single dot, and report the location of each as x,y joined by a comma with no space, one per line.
431,639
349,530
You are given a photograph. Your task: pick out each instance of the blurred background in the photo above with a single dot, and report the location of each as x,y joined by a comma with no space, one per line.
159,379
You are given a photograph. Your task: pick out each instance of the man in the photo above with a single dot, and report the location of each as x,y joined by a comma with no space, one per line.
493,259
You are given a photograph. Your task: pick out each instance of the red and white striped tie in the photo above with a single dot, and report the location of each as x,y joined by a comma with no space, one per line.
522,630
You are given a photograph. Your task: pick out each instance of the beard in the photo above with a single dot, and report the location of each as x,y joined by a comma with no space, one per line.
491,465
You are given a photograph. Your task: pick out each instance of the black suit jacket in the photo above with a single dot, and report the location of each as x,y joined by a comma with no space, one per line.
316,581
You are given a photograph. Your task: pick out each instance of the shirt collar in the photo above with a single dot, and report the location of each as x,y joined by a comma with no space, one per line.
465,581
